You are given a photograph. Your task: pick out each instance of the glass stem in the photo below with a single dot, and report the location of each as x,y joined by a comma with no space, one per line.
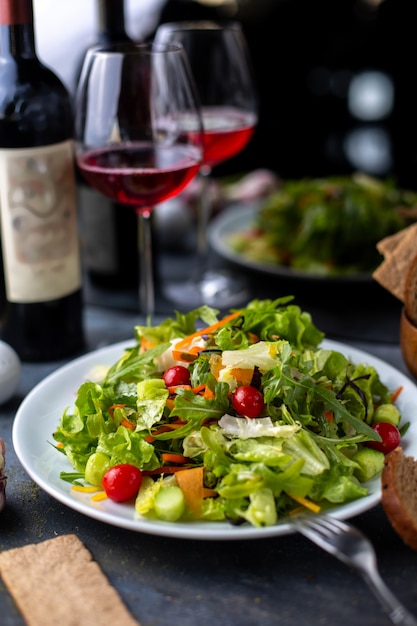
203,218
146,279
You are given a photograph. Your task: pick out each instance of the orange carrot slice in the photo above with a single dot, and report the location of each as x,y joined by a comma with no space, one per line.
396,393
125,422
115,406
242,375
329,415
191,483
171,457
181,345
173,389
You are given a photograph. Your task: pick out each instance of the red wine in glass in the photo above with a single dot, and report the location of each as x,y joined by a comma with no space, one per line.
220,65
226,130
140,174
130,142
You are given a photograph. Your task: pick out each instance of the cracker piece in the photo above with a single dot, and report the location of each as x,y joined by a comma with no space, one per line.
57,582
392,272
387,245
410,291
391,276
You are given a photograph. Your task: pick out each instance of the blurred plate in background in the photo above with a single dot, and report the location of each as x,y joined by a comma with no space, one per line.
240,218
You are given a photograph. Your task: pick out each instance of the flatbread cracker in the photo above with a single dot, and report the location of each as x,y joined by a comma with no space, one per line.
390,276
387,245
399,250
58,582
392,243
410,292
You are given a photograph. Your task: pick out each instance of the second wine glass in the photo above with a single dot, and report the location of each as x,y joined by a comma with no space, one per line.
131,140
221,67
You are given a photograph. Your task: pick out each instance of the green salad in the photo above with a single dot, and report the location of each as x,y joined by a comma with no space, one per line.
326,226
243,419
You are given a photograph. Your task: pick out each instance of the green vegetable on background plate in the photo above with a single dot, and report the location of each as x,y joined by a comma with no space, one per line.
326,227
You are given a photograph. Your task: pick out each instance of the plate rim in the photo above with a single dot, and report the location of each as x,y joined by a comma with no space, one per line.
112,514
238,217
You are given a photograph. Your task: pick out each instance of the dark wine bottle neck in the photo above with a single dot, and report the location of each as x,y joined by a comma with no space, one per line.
17,37
111,21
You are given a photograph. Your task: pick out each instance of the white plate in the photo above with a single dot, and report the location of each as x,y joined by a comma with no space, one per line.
240,218
40,413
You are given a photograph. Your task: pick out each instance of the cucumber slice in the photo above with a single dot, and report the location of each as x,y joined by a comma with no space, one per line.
169,503
370,462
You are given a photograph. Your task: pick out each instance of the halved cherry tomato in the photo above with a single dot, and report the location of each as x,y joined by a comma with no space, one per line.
176,375
248,401
122,482
389,434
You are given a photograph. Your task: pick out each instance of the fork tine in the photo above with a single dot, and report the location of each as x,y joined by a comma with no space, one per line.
331,525
320,520
335,537
334,523
316,530
326,526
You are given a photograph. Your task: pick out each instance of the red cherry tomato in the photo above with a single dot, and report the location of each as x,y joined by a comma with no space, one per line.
122,482
176,375
389,434
248,400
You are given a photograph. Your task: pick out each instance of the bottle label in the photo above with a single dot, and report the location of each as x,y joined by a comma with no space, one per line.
39,223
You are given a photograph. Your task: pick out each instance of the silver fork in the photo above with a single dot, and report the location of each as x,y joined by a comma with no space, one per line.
350,546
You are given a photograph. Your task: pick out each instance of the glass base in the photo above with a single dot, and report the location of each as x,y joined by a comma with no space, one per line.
219,289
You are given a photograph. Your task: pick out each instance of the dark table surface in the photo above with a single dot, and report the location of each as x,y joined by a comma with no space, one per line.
167,582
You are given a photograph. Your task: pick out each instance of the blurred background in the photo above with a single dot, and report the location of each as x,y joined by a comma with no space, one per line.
335,78
65,29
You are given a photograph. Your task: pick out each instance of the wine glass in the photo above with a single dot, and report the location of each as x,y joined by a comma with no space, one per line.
131,140
220,64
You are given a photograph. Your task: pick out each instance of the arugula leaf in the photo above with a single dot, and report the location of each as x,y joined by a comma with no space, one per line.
134,365
75,478
195,410
183,325
298,389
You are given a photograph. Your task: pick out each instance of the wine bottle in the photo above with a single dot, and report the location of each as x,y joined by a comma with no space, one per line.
41,308
109,230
